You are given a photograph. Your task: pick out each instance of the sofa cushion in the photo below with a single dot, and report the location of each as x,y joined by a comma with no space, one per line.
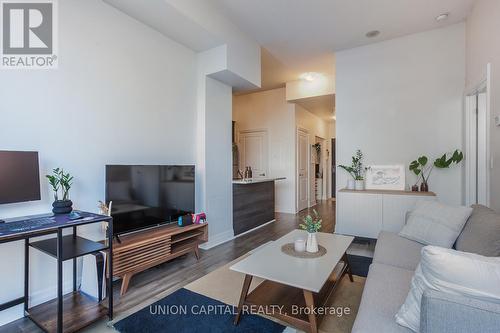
385,290
394,250
481,233
453,272
435,223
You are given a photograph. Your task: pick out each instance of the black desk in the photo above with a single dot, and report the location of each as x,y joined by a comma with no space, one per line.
76,307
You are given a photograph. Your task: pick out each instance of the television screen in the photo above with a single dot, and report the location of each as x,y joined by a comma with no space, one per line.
148,195
19,176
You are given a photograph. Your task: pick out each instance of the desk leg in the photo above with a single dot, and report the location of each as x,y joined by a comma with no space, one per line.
110,270
244,293
308,296
26,273
74,264
59,282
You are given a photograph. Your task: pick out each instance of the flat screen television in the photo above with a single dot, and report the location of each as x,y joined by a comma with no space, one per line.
19,176
145,196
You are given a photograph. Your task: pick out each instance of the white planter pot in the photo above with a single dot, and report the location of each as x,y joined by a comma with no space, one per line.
350,184
359,185
312,243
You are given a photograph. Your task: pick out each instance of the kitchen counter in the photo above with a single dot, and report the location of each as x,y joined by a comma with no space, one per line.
253,203
255,180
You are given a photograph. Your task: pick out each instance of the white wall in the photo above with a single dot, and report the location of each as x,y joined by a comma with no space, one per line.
215,154
269,110
123,93
482,48
402,98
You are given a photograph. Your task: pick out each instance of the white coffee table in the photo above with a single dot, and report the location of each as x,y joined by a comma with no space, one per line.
294,283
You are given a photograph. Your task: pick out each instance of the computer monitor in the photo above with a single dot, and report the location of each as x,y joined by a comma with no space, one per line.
19,176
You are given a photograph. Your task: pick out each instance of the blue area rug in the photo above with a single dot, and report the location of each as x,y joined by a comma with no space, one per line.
185,312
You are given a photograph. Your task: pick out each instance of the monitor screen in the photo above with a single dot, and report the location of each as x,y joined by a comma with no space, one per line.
148,195
19,176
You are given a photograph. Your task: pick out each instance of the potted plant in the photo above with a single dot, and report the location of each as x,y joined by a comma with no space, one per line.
423,171
356,172
312,225
63,181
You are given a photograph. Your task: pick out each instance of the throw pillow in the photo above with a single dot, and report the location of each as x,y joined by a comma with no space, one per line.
435,223
481,233
453,272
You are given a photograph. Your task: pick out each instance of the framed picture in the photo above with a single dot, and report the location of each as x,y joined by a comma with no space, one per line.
386,177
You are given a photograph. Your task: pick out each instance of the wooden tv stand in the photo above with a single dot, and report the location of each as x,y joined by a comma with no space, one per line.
141,250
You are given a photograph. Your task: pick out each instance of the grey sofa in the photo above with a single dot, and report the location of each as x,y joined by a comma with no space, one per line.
389,278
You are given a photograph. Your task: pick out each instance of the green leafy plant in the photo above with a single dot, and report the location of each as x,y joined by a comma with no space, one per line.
54,182
422,170
60,180
66,181
312,224
356,168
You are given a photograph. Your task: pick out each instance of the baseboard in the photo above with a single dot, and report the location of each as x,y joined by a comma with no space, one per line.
260,226
217,239
227,236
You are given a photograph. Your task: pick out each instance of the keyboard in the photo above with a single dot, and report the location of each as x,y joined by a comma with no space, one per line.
26,225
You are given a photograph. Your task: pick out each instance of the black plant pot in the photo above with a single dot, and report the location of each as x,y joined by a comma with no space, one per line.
62,206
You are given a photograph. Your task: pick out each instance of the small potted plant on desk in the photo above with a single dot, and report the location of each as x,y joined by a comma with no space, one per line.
422,170
312,226
61,180
356,172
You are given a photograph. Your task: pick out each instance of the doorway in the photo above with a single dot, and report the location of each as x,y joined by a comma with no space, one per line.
477,145
319,176
302,169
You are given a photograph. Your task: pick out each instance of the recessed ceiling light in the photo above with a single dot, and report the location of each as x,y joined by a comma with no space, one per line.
442,17
373,33
308,76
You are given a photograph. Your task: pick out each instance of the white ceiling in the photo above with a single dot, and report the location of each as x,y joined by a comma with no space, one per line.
303,34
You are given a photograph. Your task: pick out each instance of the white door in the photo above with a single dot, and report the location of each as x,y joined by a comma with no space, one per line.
302,170
254,147
477,161
482,158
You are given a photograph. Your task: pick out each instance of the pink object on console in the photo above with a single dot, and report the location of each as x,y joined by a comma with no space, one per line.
200,218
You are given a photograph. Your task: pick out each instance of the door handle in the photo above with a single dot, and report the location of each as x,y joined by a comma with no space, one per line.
262,175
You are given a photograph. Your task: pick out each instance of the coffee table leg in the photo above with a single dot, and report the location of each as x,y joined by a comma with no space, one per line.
244,293
308,296
348,268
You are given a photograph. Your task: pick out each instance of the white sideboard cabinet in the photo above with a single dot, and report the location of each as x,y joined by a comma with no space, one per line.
366,213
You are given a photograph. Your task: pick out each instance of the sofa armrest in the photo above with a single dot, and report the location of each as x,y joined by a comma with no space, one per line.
442,313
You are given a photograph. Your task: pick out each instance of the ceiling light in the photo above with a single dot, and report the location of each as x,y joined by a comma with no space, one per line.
308,76
442,17
372,34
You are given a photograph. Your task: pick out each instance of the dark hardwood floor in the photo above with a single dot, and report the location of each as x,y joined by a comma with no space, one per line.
161,280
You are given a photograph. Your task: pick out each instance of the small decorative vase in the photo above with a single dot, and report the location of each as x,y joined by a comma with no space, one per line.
62,207
359,185
424,187
350,184
312,242
414,188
